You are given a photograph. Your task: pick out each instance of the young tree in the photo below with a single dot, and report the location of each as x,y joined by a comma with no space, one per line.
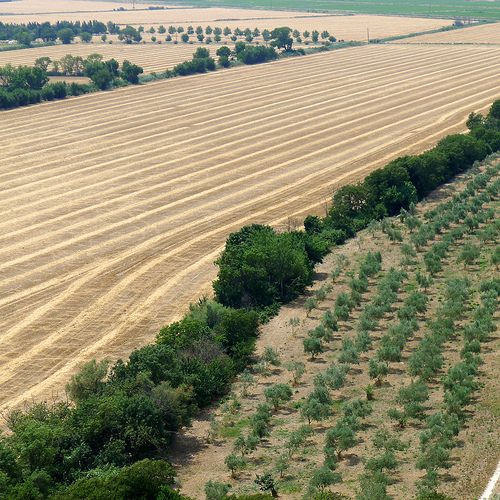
298,369
234,463
271,357
278,394
266,483
312,346
323,478
468,254
309,305
246,379
341,437
85,36
377,370
282,464
216,491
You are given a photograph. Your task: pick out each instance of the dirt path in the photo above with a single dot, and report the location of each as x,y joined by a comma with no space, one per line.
115,205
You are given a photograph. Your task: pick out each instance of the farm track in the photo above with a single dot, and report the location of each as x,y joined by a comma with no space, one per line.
115,205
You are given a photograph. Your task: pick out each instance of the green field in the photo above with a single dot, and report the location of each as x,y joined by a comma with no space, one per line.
433,8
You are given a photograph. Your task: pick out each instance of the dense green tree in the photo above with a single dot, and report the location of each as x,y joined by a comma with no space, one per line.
66,35
281,38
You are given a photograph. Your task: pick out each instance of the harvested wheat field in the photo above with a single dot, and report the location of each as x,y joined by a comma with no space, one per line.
151,57
341,26
115,205
482,34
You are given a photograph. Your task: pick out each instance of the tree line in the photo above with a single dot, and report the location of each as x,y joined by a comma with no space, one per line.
29,85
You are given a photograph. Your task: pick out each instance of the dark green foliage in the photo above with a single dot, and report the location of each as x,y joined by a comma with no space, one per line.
130,72
341,437
142,480
281,38
312,346
260,267
266,483
234,463
427,360
89,381
373,487
254,55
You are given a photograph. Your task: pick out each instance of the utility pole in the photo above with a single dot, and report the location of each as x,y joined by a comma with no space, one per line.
368,34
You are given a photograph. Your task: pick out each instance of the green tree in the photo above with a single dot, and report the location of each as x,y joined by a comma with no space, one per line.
130,34
495,257
282,464
235,463
341,437
469,254
377,370
246,379
297,368
312,346
278,394
281,38
88,381
85,36
43,63
323,477
266,483
66,35
130,72
216,491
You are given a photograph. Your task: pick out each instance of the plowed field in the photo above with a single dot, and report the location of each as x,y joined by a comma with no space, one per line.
114,205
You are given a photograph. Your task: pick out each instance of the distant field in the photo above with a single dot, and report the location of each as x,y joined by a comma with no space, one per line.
482,34
433,8
115,205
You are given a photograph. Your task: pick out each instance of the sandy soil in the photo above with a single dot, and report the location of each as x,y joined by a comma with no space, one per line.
115,205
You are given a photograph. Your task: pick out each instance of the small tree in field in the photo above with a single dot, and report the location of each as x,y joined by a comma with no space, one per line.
234,463
298,369
216,491
309,305
278,394
271,357
495,257
246,379
312,346
377,370
282,464
468,254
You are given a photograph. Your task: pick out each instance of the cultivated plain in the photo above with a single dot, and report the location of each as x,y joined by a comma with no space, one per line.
116,204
